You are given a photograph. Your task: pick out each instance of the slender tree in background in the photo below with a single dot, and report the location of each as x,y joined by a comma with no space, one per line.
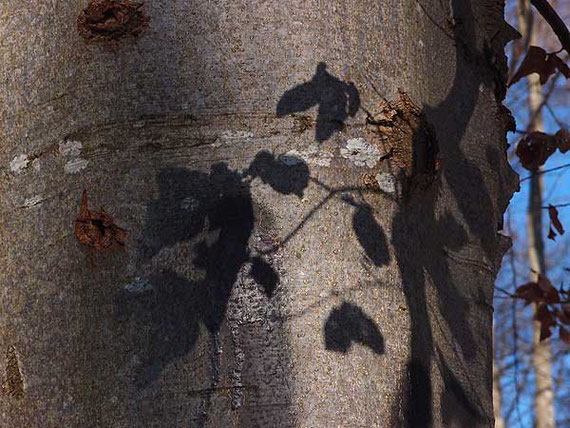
523,360
250,213
497,393
544,397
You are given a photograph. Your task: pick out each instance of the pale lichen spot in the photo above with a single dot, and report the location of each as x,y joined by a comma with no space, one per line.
290,158
361,152
226,137
36,164
19,163
32,202
138,286
70,148
189,204
75,165
386,182
312,156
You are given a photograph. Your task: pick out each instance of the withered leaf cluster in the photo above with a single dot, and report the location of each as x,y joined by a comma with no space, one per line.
537,60
553,307
97,229
554,222
536,147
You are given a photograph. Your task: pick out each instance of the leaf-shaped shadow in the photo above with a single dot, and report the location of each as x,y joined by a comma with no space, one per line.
264,274
336,100
286,175
347,323
369,233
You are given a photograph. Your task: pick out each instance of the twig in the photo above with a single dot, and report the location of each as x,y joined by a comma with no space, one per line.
502,290
567,204
558,121
544,171
555,22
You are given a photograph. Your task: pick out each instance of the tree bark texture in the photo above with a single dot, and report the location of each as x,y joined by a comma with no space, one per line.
311,190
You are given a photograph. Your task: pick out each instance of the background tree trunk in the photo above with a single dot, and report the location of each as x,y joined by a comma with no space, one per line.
542,358
497,393
542,355
277,272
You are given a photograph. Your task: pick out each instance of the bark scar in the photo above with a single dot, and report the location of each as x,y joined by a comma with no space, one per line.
13,385
401,130
110,20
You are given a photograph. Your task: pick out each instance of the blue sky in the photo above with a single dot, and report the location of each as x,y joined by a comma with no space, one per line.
515,269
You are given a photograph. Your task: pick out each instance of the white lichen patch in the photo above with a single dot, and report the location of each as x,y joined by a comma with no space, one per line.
33,201
36,164
290,158
361,152
19,163
189,204
312,156
386,182
236,134
70,148
75,165
232,136
138,286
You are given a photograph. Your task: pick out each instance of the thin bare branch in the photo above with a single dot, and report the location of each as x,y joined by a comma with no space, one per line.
555,22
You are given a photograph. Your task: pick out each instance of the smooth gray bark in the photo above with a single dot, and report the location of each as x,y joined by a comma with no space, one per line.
231,141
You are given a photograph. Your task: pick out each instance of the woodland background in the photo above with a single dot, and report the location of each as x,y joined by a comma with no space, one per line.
515,388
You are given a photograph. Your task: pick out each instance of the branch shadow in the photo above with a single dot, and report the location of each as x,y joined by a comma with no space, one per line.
369,233
421,238
212,215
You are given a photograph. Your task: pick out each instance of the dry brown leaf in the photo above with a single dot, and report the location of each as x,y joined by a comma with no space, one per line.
97,229
549,293
535,61
565,335
534,148
566,309
553,213
546,319
563,317
530,292
551,234
560,65
563,140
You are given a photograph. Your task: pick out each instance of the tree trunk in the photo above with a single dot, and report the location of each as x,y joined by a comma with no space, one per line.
497,392
544,394
542,355
299,252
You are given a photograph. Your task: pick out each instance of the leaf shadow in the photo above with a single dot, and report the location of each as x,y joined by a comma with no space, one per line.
336,101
